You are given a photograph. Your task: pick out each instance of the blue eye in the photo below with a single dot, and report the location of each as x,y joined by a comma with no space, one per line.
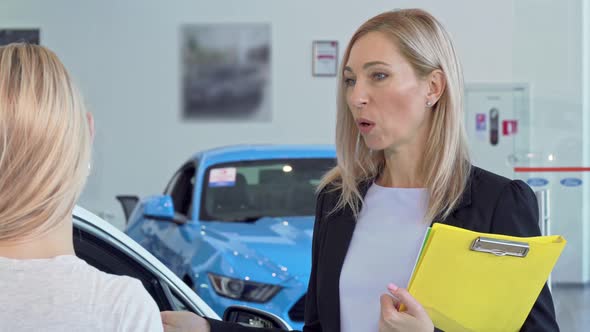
349,81
379,76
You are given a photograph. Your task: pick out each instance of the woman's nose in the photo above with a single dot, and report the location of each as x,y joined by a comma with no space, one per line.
359,96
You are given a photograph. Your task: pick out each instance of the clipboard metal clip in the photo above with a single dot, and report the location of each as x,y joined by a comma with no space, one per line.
500,247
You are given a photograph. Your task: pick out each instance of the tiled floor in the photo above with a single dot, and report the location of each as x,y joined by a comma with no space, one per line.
572,306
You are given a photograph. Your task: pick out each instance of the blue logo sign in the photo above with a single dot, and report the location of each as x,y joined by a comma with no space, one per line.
537,182
571,182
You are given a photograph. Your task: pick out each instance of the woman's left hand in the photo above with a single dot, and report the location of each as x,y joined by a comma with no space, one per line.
414,318
183,321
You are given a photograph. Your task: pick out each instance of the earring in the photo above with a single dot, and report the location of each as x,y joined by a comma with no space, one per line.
428,103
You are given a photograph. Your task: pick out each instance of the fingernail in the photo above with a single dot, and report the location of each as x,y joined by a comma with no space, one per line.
392,287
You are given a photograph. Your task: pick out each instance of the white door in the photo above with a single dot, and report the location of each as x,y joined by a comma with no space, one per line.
497,121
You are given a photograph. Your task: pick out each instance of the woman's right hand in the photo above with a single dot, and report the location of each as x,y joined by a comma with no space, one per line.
183,321
415,318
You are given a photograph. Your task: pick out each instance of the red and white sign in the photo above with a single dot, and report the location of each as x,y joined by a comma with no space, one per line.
509,127
222,177
325,58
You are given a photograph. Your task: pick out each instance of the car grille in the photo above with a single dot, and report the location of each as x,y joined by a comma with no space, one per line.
296,312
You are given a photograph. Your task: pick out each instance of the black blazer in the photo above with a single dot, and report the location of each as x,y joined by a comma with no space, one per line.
490,204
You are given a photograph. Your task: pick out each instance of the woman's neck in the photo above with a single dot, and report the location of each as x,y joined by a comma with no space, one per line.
403,168
57,242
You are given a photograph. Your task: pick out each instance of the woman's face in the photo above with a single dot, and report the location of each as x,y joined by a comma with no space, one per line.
386,98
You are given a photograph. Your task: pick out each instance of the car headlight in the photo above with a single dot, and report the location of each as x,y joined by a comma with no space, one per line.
243,290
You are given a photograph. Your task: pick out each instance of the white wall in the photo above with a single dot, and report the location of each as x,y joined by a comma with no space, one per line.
125,57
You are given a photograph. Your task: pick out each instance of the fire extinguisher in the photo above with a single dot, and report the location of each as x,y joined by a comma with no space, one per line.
494,126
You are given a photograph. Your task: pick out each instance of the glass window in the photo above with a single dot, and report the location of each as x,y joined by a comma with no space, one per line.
262,188
181,189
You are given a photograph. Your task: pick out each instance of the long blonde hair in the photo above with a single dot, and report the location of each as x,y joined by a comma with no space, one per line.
424,42
44,142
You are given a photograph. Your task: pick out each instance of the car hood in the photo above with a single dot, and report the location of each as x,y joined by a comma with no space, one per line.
281,245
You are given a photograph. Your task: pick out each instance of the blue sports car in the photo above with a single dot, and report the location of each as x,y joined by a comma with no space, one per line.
236,223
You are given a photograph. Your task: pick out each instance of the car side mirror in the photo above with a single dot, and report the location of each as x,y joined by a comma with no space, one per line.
159,207
254,318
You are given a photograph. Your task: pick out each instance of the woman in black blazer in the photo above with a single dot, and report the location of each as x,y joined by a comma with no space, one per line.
399,127
490,204
402,165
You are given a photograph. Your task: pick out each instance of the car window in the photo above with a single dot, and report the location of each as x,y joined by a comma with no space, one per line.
245,191
181,189
107,258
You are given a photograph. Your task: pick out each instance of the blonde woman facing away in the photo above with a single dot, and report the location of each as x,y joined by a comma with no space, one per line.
45,143
402,165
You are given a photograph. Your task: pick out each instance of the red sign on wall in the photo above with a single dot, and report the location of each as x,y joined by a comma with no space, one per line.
509,127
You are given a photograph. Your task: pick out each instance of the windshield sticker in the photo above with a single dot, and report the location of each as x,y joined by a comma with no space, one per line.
222,177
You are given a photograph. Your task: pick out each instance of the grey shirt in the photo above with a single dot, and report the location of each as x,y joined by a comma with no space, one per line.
66,294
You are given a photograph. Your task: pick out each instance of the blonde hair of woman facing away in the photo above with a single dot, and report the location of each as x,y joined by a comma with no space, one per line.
45,147
445,165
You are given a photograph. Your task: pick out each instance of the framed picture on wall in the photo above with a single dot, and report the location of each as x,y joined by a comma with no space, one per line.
325,58
8,36
226,70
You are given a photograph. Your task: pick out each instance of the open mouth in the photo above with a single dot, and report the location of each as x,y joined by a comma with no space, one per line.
365,125
364,122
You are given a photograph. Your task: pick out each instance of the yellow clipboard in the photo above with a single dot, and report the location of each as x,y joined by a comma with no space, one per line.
470,281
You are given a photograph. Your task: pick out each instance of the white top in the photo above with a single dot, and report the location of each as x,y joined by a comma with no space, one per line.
66,294
384,247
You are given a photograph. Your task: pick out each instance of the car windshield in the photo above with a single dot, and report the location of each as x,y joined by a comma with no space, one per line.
249,190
